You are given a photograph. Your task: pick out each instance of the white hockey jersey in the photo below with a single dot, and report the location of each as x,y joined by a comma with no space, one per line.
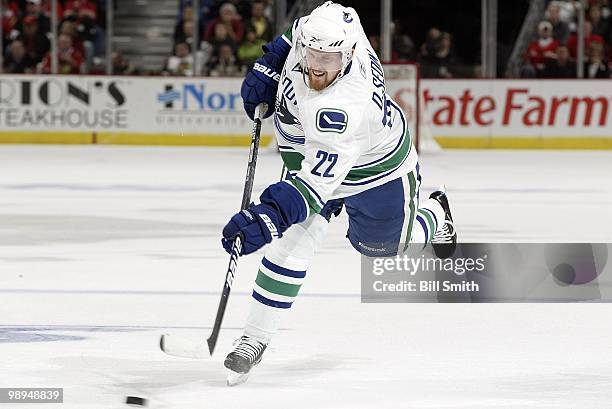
345,139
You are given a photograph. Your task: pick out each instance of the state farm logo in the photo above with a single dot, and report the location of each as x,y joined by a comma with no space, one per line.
520,106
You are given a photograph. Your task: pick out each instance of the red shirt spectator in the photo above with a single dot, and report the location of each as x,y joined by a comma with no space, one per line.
70,60
589,37
542,49
232,21
10,14
35,41
81,9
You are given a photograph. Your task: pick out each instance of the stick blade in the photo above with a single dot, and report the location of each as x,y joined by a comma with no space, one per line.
181,347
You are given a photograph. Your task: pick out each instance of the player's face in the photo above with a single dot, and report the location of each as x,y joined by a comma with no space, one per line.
323,68
319,80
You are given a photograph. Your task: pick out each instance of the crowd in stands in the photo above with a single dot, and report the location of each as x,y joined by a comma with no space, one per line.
26,27
435,55
553,53
231,35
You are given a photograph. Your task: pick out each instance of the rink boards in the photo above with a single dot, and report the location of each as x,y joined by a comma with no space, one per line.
514,114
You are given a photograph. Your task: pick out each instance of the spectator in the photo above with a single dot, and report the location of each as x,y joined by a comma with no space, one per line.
600,25
560,29
81,10
432,42
589,38
438,61
84,14
34,8
259,23
69,27
224,63
208,9
230,19
36,43
121,66
251,49
10,16
70,60
561,67
596,66
185,35
221,37
180,34
402,44
181,63
243,7
18,61
540,50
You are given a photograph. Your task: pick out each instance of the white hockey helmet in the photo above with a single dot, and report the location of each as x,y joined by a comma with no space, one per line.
328,37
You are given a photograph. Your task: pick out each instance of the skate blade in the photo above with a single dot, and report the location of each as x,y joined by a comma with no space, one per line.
235,378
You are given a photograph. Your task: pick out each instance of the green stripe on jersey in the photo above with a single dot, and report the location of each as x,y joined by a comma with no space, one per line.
393,162
289,33
313,203
292,159
430,222
412,183
276,287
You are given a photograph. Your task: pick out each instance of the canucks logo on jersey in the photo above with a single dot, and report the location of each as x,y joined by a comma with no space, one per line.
331,120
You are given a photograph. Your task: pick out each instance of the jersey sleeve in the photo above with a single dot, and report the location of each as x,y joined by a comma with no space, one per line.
334,141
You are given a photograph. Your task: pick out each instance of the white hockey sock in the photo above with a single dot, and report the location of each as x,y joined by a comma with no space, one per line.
274,290
280,276
429,217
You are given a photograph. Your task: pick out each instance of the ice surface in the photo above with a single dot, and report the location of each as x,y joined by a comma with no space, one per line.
102,249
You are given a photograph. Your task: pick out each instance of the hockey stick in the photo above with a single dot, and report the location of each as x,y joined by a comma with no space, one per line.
177,346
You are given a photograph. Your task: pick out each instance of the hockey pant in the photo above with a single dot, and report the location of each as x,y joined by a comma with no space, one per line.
382,220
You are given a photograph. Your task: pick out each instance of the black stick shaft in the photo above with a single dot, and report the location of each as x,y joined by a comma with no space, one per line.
237,247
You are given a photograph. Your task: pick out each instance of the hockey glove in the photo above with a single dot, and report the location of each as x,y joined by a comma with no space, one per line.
261,82
281,206
257,225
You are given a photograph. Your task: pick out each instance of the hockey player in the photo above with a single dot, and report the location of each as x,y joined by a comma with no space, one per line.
344,142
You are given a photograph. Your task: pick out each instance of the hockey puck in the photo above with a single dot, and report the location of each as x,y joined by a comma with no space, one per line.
135,400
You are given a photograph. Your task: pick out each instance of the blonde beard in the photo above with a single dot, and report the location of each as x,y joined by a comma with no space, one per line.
320,83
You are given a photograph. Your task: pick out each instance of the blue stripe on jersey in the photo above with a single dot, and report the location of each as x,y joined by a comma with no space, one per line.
397,147
290,148
424,226
298,140
269,302
314,192
282,270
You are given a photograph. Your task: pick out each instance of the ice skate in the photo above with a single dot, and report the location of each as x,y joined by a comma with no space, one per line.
444,241
246,354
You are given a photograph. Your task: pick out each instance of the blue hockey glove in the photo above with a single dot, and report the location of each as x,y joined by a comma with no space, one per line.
260,84
257,225
281,206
